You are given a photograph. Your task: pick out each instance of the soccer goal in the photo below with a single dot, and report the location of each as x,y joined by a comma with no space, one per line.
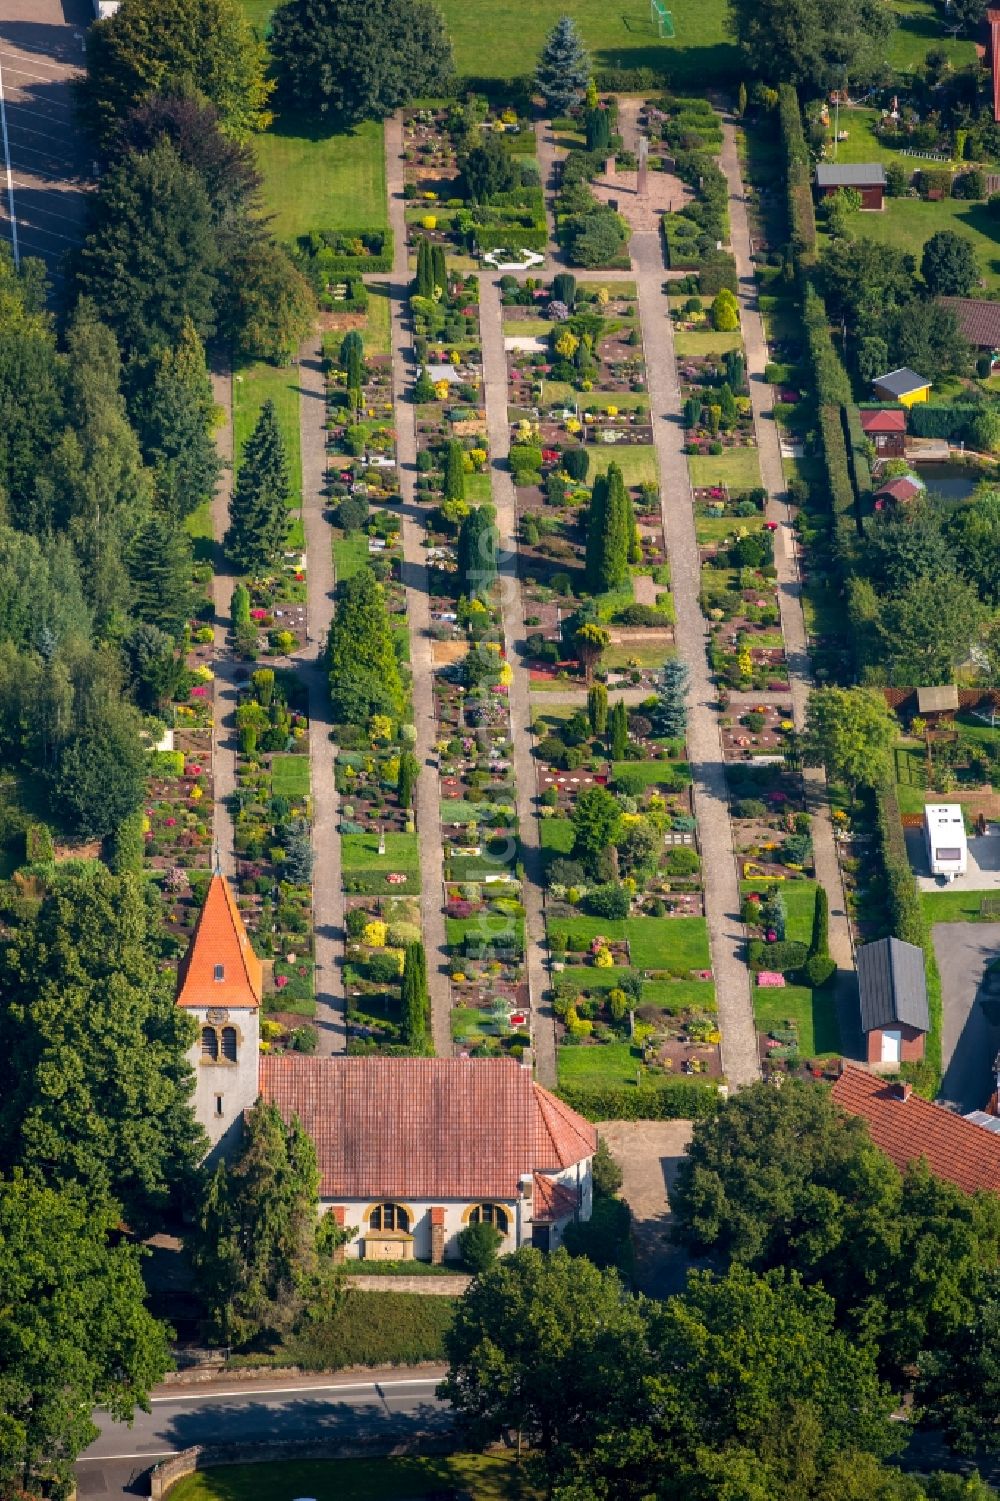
662,19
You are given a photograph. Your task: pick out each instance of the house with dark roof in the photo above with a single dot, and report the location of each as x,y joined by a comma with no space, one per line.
410,1150
899,492
978,320
908,1128
892,991
866,178
887,430
902,385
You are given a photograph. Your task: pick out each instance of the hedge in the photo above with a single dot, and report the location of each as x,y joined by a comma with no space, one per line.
486,237
782,957
364,1328
801,213
934,420
673,1100
861,473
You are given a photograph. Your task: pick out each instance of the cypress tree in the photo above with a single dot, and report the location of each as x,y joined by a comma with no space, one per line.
407,779
439,269
598,129
454,471
728,413
160,566
352,359
425,271
597,708
364,672
563,68
477,552
610,533
618,731
415,997
258,516
564,290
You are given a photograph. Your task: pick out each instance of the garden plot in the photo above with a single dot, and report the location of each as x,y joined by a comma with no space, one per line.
378,932
760,729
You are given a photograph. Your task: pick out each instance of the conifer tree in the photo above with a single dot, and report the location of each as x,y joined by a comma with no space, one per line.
364,673
160,566
415,997
477,552
598,129
352,359
407,779
258,516
563,70
439,269
454,471
670,714
597,708
610,532
618,731
174,419
425,269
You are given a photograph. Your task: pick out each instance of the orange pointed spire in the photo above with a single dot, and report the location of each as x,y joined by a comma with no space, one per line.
220,967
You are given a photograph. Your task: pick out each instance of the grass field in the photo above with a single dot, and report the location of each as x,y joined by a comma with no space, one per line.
610,1063
955,906
813,1011
317,180
377,329
862,144
919,30
350,555
654,942
800,904
360,852
736,467
637,464
908,222
503,40
252,386
487,1477
718,528
706,341
290,776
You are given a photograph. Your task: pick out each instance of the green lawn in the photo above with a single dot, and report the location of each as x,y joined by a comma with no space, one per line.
637,464
488,1478
718,528
198,526
800,904
557,835
315,179
955,906
350,555
252,386
706,341
609,1063
290,776
862,145
919,30
736,467
651,654
813,1011
360,852
674,943
503,39
652,773
377,331
908,222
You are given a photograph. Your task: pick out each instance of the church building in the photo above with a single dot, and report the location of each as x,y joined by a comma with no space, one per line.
410,1150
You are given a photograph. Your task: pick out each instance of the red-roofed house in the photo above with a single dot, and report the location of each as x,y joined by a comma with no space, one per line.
887,430
898,491
410,1150
907,1128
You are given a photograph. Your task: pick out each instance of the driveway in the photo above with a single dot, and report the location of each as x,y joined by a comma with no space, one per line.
970,1039
649,1154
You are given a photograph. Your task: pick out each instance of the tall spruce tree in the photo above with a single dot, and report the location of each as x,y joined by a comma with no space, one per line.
364,673
439,269
563,67
160,567
415,997
610,532
425,269
174,418
670,714
477,552
454,471
258,516
352,359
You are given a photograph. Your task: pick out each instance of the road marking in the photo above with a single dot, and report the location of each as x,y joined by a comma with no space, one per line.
92,1459
284,1391
10,177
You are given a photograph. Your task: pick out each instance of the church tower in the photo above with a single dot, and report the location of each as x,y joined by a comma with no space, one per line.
220,981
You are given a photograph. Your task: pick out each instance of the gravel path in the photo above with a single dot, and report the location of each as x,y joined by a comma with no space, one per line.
327,881
505,501
722,899
428,791
789,591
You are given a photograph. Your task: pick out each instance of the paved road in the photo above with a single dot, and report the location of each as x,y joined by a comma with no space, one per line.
277,1408
970,1031
44,170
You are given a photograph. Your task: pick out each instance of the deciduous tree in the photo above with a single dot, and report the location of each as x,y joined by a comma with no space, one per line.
851,732
948,264
812,43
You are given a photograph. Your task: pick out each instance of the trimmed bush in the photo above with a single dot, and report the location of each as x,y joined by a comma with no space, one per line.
674,1099
783,957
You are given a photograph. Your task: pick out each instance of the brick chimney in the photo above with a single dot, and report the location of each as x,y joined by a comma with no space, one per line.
902,1090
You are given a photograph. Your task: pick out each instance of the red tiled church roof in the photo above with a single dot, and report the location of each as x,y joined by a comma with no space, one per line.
552,1201
425,1128
890,420
220,967
907,1129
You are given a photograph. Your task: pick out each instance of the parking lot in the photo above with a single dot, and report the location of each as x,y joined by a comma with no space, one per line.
45,169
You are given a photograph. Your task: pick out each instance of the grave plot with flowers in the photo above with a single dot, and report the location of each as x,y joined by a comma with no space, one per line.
272,819
772,829
385,977
471,180
361,444
177,827
450,416
792,970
